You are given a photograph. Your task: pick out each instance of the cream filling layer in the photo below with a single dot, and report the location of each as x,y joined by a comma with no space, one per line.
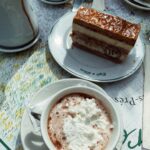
101,37
98,48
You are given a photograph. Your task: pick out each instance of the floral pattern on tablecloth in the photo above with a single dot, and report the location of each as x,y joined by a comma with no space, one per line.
21,75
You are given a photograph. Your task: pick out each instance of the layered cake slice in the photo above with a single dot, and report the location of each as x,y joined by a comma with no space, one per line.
104,35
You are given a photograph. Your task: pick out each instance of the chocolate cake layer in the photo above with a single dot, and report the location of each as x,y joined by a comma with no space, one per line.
116,60
112,26
99,48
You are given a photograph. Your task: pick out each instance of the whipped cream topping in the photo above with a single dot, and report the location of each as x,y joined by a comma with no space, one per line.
85,130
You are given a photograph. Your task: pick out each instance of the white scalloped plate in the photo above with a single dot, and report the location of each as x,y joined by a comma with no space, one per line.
85,65
31,140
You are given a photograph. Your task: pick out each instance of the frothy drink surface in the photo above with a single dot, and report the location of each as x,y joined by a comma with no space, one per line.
79,122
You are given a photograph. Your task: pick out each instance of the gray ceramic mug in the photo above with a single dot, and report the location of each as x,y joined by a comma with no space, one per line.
18,25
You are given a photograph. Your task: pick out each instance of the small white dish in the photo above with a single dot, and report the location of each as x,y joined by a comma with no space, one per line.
137,6
85,65
30,139
54,2
103,98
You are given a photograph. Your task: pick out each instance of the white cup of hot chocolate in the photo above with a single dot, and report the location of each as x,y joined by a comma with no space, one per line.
80,118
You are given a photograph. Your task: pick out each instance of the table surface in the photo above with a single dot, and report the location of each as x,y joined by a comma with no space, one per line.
23,73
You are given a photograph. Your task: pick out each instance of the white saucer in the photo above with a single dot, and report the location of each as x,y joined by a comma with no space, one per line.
137,6
30,140
54,2
85,65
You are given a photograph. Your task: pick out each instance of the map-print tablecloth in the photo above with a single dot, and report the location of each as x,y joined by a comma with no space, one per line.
23,74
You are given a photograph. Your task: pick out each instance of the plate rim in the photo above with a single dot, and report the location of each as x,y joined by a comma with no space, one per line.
24,48
78,74
54,3
137,6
